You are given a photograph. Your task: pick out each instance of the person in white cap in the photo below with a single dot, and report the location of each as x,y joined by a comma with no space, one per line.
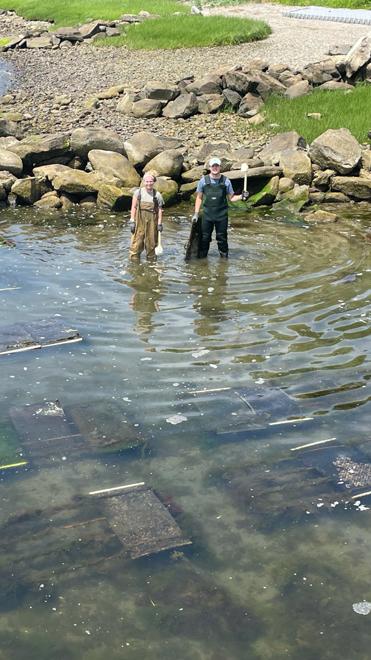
213,192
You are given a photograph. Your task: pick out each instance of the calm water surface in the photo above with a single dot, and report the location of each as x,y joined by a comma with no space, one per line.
278,556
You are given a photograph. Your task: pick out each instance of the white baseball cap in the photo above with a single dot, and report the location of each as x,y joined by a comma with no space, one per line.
215,161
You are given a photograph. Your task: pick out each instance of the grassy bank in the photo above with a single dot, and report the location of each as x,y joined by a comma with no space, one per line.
347,4
338,109
189,32
73,12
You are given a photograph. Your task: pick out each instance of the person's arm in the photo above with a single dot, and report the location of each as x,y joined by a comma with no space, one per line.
198,202
235,198
133,209
159,216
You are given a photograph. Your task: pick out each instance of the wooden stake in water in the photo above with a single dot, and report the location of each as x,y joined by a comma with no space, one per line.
159,249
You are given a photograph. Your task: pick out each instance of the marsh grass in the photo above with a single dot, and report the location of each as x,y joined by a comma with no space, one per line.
338,109
182,31
73,12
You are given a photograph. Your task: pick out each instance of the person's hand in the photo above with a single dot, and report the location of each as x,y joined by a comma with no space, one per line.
194,218
245,196
132,226
160,227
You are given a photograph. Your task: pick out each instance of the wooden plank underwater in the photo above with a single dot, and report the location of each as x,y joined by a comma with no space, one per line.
246,408
142,522
48,429
36,334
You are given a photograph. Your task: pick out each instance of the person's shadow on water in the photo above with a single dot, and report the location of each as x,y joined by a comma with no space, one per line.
209,287
146,284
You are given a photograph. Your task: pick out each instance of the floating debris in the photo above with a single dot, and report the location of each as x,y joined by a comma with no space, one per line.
364,607
176,419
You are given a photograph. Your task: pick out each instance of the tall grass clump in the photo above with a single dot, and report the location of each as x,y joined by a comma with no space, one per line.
338,109
191,31
73,12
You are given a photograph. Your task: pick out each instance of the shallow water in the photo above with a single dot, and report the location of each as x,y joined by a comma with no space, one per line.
271,573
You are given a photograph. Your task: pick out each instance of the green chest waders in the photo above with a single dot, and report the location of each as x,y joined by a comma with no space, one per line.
214,214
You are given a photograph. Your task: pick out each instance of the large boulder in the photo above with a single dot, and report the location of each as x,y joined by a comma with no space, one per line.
358,56
297,166
10,162
278,144
113,198
167,163
115,165
209,103
237,81
44,41
49,172
125,104
337,150
353,186
184,106
168,189
84,140
209,84
75,182
7,180
267,195
146,108
320,217
321,72
141,147
298,89
49,201
160,91
41,149
29,190
9,128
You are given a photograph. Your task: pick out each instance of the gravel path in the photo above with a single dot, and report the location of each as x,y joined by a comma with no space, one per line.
43,75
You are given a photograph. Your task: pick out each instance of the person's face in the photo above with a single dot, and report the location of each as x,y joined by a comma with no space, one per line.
149,182
215,170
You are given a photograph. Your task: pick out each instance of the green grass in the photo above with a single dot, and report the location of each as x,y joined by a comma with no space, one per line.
189,32
347,4
72,12
338,109
4,41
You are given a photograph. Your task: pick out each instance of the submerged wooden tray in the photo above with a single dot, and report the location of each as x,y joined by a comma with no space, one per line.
48,429
246,408
37,334
141,521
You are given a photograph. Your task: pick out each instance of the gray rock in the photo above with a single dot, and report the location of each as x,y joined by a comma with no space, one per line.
232,98
298,89
358,55
332,85
141,147
49,172
264,172
167,163
84,140
184,106
49,201
322,179
296,165
40,42
113,198
366,160
168,189
332,197
209,84
28,191
7,180
237,81
321,72
75,182
353,186
271,153
337,150
146,108
160,91
5,142
212,149
70,34
10,162
285,184
116,165
250,105
125,105
40,149
9,129
110,92
194,174
89,29
320,217
210,103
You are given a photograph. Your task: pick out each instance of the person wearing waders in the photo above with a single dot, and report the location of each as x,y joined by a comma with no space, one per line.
213,192
145,218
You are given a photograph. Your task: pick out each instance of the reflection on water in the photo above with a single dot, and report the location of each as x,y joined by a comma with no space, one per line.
221,369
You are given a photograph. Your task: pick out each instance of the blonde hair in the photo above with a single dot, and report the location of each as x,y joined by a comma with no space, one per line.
150,174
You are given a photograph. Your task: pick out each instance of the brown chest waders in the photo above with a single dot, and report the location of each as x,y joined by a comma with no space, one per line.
146,233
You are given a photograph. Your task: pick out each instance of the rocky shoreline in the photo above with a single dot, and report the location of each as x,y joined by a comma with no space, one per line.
66,139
